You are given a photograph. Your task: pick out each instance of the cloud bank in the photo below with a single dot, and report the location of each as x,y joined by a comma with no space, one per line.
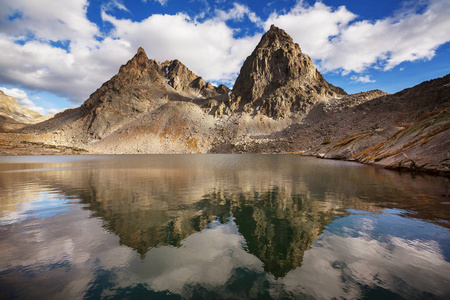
61,51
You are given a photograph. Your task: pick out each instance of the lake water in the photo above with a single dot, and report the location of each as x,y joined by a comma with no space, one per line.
220,227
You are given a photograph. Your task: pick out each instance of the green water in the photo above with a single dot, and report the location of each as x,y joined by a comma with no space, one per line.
220,227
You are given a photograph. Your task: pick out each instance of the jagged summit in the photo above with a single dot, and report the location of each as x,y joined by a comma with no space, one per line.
140,60
278,79
141,50
275,37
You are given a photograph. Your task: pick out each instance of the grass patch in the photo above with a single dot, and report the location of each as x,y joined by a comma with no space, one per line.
423,139
432,113
351,139
372,151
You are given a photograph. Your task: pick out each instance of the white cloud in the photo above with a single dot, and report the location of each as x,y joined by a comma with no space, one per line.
115,4
23,100
312,26
362,79
47,20
208,48
337,42
162,2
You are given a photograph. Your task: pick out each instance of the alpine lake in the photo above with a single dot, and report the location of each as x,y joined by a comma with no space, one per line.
220,227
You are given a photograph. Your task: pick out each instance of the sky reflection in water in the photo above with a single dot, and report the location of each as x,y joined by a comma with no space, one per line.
220,226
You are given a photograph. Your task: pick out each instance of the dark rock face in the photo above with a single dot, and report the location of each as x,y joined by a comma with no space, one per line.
277,78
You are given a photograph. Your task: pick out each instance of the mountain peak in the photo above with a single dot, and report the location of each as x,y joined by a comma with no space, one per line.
277,79
275,38
141,51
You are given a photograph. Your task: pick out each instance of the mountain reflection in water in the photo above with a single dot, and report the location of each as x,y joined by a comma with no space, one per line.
224,226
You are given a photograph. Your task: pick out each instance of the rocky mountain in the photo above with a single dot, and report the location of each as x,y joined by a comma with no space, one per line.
143,89
277,79
141,86
15,116
280,103
409,129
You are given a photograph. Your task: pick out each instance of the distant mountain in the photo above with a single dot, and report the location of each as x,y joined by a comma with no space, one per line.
280,103
15,116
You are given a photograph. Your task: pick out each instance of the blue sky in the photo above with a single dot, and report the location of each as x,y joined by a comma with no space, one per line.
56,53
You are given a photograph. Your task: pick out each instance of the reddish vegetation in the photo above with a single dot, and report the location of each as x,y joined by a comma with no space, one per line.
351,139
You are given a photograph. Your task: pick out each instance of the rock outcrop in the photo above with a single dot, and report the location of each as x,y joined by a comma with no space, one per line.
277,79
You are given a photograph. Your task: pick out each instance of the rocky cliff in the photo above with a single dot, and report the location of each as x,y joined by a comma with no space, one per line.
277,79
280,103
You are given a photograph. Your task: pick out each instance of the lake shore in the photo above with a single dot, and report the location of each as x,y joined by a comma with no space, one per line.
14,144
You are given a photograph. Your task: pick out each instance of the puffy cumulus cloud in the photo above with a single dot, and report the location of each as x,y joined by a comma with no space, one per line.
23,100
337,41
29,57
38,65
389,42
362,79
313,26
208,48
46,20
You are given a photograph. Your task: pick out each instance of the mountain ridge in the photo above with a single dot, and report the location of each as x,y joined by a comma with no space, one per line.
280,103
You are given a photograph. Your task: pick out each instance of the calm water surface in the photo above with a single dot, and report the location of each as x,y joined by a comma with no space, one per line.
220,227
